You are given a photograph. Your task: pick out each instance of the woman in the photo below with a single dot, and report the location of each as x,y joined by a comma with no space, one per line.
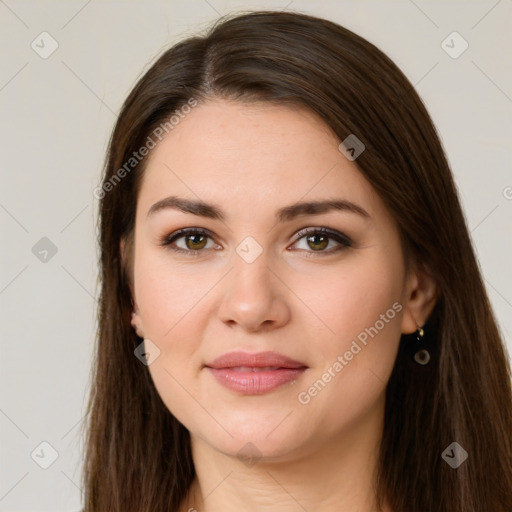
292,315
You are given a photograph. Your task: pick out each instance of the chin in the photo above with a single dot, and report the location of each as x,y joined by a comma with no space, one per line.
254,438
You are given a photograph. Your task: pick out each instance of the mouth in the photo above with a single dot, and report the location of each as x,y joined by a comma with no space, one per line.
255,374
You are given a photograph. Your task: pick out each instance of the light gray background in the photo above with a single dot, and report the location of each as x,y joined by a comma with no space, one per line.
57,115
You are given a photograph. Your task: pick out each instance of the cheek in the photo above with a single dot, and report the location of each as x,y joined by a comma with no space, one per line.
345,301
173,318
176,389
170,306
167,295
361,312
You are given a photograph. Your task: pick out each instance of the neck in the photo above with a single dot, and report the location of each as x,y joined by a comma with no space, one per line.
334,474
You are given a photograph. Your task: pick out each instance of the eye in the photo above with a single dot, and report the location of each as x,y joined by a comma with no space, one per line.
191,241
319,239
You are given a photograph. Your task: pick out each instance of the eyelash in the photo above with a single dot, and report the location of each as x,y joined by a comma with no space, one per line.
342,239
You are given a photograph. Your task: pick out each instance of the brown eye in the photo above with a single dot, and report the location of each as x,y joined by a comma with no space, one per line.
318,242
195,242
321,240
190,241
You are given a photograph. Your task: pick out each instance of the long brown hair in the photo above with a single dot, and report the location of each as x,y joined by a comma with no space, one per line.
138,455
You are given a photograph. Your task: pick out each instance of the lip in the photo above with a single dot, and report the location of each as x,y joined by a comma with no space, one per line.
257,360
255,374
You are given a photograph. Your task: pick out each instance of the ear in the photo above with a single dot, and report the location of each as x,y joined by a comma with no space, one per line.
136,320
421,293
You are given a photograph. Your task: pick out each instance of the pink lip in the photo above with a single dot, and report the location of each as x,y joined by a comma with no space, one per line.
250,380
258,360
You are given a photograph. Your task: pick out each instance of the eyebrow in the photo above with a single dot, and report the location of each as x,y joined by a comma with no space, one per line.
287,213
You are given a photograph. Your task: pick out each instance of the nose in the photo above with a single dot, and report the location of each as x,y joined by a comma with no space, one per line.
254,297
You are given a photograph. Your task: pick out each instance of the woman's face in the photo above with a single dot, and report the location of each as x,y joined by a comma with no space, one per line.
260,278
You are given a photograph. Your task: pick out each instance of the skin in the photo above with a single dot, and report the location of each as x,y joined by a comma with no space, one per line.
250,160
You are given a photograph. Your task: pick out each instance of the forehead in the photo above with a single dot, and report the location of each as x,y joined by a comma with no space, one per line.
249,154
